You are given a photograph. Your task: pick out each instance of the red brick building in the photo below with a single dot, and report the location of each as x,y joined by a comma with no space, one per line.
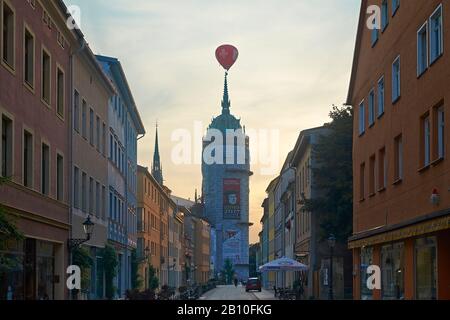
400,92
35,95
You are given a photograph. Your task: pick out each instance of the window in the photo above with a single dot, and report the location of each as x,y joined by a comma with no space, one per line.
366,261
381,97
45,167
111,206
91,196
362,118
374,36
45,77
6,147
97,200
426,140
76,187
27,159
111,148
371,108
29,58
98,136
103,213
76,111
59,177
104,139
422,49
440,132
84,119
398,155
91,127
115,152
384,15
382,169
84,192
436,36
362,181
60,92
8,35
425,260
395,6
393,271
372,175
396,80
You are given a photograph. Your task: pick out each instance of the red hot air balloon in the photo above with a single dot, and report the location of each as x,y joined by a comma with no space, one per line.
227,56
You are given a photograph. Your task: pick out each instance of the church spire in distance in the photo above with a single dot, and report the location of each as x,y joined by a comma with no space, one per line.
156,167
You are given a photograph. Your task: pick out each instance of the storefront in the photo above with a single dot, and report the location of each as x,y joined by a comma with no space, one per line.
414,262
29,273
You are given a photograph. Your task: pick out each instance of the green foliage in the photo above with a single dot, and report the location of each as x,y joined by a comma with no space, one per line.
153,281
333,174
136,280
228,271
110,263
82,258
8,232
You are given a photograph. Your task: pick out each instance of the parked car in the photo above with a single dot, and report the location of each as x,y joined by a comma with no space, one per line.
253,284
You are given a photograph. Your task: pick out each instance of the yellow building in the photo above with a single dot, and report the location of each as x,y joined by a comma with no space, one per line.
154,207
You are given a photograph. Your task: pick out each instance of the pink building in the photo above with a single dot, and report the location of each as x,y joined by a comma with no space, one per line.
35,80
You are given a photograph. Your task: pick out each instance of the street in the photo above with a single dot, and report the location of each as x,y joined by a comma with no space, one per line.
236,293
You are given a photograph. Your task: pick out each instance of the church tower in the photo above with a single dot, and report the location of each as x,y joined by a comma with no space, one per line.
156,166
225,188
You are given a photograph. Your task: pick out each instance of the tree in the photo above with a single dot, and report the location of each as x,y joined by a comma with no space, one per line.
136,281
228,271
111,263
153,281
8,232
333,175
82,258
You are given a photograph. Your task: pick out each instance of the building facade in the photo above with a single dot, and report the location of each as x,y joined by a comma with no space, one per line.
226,173
271,276
202,251
35,73
399,93
283,218
176,238
91,92
148,225
124,128
264,241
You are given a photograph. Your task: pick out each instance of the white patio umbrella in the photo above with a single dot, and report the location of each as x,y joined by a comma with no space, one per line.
283,264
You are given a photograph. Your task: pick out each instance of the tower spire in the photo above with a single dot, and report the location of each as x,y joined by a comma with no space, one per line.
156,167
226,99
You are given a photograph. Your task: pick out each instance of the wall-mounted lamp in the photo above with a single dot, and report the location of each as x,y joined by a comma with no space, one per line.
435,197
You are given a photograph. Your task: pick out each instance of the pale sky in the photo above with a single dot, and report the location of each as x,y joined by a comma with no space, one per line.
294,62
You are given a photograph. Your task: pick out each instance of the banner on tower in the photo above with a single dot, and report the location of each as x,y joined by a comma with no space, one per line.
232,246
232,199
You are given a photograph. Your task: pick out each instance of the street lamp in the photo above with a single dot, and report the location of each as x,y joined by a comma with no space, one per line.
331,244
73,243
88,228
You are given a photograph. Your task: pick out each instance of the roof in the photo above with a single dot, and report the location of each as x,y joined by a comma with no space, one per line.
84,48
361,25
272,184
182,202
161,189
303,140
124,88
